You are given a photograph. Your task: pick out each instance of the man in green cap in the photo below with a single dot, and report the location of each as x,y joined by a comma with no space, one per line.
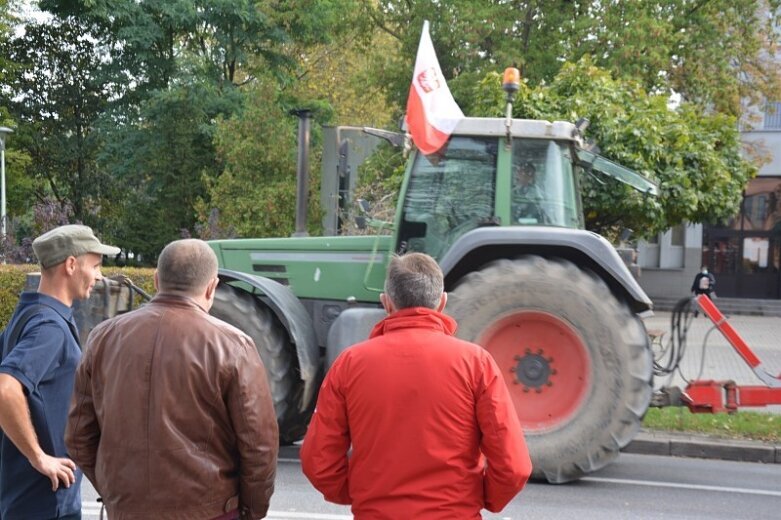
39,358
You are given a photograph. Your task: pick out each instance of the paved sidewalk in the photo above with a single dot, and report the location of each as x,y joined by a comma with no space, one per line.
709,355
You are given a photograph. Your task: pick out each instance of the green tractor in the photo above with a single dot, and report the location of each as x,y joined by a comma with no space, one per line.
553,303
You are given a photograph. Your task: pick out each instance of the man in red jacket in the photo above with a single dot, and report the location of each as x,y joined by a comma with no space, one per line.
433,431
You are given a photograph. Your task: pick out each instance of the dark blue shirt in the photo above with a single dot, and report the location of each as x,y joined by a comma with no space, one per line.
44,361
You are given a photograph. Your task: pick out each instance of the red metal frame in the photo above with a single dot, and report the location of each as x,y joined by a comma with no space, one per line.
725,396
708,396
709,308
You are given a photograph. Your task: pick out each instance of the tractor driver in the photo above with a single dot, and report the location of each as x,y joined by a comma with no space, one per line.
526,195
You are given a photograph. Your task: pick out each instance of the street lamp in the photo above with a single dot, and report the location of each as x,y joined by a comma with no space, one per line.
4,131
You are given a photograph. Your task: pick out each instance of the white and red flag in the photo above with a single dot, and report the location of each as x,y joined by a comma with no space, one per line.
432,113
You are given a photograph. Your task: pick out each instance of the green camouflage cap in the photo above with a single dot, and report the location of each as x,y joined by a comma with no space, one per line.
57,245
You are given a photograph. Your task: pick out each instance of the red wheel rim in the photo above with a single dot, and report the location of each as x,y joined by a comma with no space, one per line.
545,363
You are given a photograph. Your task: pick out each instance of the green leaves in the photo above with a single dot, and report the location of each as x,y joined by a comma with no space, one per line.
693,153
148,115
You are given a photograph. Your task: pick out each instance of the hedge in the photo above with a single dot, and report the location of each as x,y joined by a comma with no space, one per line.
13,277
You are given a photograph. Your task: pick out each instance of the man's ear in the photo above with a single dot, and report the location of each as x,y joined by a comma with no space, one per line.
387,304
157,283
442,302
70,265
211,289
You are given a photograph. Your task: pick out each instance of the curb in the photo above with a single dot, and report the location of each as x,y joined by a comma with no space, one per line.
703,447
672,444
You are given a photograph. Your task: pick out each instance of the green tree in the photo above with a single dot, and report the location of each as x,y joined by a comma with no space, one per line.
340,72
162,166
694,154
56,95
185,66
255,195
713,52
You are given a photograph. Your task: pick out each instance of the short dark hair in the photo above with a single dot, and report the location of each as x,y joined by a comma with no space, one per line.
527,167
186,266
414,280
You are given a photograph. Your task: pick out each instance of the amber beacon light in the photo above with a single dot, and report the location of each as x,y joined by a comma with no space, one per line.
511,81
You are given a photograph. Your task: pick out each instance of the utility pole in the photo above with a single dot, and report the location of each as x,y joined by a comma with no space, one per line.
4,132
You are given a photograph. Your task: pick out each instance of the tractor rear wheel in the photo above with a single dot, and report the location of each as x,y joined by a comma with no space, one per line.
576,361
245,312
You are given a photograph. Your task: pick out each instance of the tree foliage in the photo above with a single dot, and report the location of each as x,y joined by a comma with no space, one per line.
163,166
180,67
255,194
693,154
156,119
58,97
712,52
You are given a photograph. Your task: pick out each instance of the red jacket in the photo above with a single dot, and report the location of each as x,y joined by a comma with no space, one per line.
418,407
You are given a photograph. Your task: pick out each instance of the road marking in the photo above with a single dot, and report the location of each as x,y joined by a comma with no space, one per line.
93,508
700,487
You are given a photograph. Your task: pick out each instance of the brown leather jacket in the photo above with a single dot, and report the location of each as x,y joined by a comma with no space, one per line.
172,416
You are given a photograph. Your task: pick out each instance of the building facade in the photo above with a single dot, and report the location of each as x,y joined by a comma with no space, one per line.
744,253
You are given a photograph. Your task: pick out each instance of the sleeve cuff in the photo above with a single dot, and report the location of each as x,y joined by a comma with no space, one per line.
19,376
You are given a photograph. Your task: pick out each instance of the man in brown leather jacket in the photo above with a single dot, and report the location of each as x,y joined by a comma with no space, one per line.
172,416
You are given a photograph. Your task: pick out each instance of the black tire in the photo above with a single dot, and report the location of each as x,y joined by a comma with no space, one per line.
245,312
616,387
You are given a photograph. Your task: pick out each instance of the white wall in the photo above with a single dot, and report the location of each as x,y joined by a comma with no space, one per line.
667,271
768,144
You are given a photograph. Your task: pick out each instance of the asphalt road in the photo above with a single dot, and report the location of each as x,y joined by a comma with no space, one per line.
635,487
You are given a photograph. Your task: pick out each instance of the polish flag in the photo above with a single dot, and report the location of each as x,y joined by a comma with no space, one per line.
432,113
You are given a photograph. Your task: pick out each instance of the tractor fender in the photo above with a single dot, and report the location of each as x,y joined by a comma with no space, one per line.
584,248
296,320
352,326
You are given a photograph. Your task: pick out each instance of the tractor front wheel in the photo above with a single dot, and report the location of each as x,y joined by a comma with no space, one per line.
576,361
245,312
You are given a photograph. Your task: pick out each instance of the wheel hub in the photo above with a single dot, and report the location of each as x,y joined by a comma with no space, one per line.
533,370
545,363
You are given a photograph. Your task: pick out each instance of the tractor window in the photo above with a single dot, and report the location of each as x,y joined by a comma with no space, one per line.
543,186
448,195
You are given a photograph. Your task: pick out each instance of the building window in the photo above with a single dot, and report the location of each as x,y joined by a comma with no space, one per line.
755,253
762,205
677,235
772,116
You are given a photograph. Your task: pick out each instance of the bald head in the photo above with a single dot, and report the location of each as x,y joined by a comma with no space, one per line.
186,266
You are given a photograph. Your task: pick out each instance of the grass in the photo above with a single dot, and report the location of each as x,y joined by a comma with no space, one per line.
740,425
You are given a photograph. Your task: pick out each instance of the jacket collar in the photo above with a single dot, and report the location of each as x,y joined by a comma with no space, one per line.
415,318
175,300
31,297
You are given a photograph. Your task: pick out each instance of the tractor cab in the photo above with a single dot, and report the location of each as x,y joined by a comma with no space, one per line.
482,178
497,172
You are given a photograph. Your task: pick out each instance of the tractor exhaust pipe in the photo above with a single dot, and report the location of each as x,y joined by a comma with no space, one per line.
302,170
